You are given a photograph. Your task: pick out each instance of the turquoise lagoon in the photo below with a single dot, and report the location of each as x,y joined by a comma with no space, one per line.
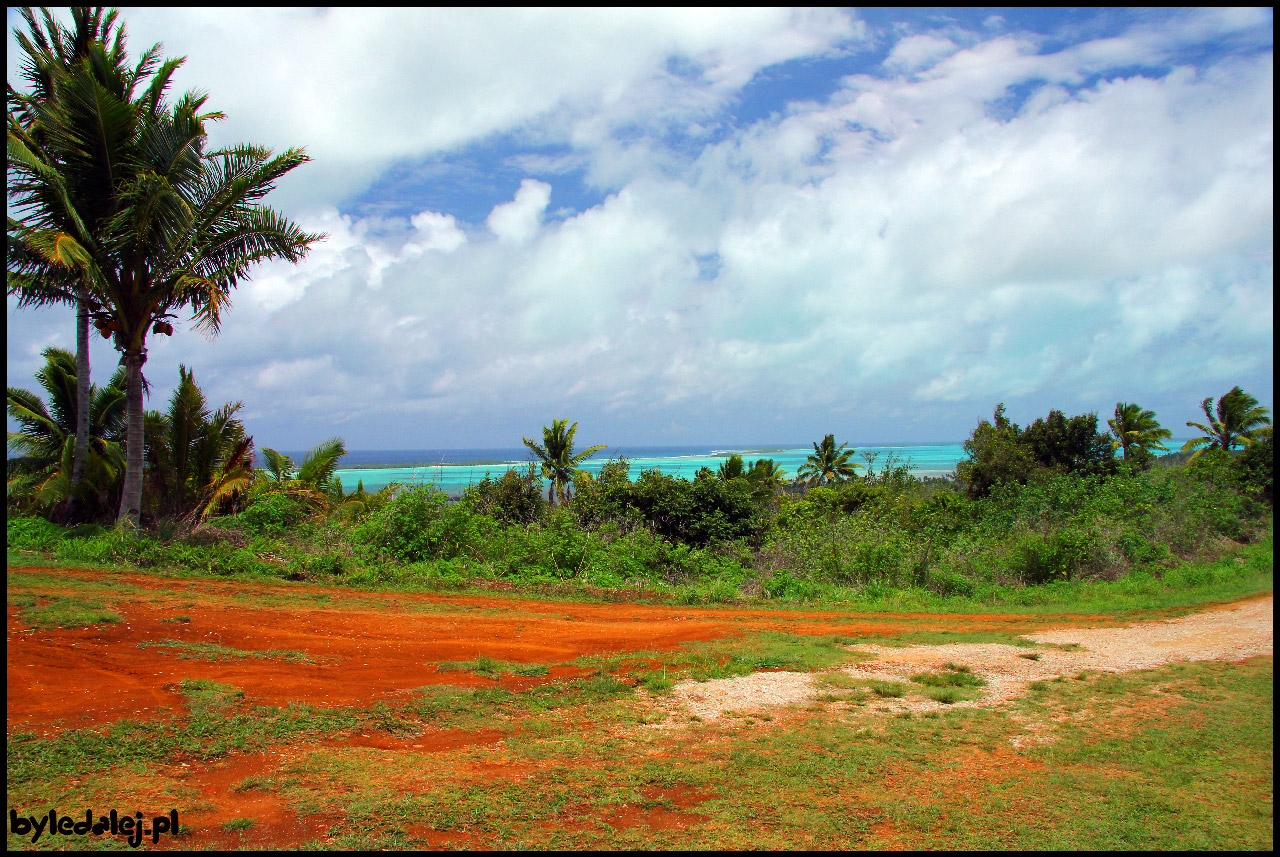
454,470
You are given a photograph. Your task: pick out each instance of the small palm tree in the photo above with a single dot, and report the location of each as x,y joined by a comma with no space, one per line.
732,468
766,476
555,454
1136,430
828,463
1240,421
196,458
313,482
46,441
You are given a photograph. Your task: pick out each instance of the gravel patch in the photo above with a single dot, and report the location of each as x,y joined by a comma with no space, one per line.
1230,633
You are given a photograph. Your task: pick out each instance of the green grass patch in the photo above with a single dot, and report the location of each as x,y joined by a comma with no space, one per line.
887,689
217,652
492,667
952,676
59,611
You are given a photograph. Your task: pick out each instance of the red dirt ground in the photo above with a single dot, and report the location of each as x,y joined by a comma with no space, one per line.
366,647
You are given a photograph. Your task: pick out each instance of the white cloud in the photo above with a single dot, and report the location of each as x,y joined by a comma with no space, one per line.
363,87
916,52
899,246
518,221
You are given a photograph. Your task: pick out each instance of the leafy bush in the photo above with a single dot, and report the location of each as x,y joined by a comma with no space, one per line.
421,524
1255,465
32,534
1001,453
514,498
275,513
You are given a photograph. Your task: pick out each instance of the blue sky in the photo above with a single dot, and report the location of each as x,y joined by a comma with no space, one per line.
731,226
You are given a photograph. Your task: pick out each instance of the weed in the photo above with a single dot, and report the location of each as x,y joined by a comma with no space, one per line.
216,652
238,824
952,676
251,783
492,667
56,611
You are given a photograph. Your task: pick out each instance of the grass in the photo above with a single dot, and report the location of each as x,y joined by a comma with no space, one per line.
58,611
952,676
492,667
217,652
1184,589
887,689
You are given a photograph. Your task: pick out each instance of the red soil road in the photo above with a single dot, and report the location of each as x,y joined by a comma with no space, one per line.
365,646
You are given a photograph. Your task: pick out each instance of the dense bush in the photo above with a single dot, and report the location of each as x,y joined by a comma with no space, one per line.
514,498
1255,465
274,513
1001,453
421,524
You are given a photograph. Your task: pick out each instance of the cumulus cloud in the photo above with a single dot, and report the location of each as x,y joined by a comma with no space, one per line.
917,52
518,221
978,219
364,87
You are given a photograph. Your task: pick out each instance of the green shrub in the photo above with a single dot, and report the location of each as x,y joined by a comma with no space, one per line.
275,513
514,498
421,524
32,533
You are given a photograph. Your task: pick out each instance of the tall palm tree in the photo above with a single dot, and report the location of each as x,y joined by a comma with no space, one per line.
40,278
1136,429
108,175
555,454
1240,421
47,438
828,463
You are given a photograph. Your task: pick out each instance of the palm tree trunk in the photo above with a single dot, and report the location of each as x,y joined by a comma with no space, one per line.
82,406
131,499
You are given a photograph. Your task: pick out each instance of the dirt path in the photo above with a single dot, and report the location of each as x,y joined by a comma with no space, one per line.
1232,632
359,647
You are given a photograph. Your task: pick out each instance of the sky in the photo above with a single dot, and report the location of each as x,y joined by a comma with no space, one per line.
728,227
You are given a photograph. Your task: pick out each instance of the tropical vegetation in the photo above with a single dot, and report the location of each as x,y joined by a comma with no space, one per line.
1029,507
1137,432
1237,420
828,463
119,204
558,461
42,476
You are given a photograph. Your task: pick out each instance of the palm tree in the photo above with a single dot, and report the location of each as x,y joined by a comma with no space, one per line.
108,177
766,476
732,468
1241,421
828,463
1136,430
47,438
196,458
314,481
39,278
555,454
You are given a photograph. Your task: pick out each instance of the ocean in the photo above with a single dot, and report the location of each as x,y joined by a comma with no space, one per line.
454,470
